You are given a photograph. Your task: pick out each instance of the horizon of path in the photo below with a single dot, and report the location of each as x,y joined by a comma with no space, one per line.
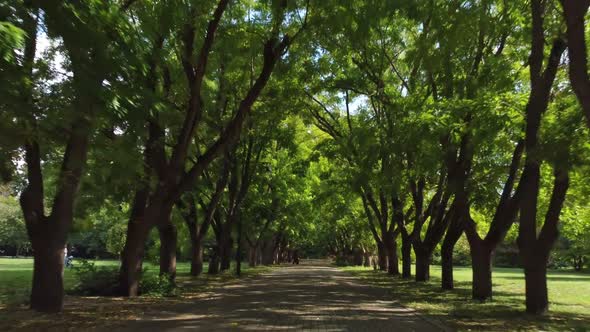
312,296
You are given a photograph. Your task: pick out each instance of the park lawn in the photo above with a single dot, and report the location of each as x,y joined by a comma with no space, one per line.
88,312
569,296
16,275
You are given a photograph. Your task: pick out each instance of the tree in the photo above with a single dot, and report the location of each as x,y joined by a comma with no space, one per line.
535,247
152,206
13,232
71,127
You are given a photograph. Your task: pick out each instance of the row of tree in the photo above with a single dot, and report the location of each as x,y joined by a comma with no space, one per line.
455,118
151,96
435,118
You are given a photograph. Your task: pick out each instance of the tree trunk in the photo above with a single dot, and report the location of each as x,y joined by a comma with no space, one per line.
214,261
357,257
422,265
48,292
535,275
239,249
381,256
453,234
253,256
197,256
366,258
392,260
225,252
168,239
132,256
447,282
406,257
268,252
258,256
481,265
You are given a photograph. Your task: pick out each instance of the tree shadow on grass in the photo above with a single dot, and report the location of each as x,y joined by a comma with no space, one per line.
555,278
456,307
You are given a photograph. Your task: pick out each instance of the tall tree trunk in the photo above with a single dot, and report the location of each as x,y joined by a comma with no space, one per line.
225,252
48,292
535,276
252,256
392,259
422,264
406,257
381,256
168,240
141,222
258,255
132,256
453,234
481,266
447,282
239,248
196,256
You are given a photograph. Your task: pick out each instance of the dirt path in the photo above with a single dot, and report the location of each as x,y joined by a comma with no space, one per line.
310,297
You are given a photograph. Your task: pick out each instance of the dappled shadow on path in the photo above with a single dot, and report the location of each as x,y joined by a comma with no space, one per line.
305,297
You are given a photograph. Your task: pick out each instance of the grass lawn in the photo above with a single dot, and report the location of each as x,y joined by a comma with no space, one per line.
83,313
16,275
569,296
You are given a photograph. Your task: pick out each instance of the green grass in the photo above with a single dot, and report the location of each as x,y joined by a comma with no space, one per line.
16,275
569,296
89,313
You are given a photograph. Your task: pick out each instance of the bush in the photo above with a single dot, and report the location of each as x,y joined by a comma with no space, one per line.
153,284
93,280
103,281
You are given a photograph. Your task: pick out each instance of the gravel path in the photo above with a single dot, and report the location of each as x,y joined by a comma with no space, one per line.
312,296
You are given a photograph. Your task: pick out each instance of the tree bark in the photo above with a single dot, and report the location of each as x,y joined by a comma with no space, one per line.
535,276
197,257
574,12
168,240
253,256
381,256
481,266
225,248
447,282
422,265
132,257
453,234
392,259
239,248
406,257
48,292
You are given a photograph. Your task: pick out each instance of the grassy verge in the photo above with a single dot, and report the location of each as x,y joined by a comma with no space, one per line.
569,294
86,312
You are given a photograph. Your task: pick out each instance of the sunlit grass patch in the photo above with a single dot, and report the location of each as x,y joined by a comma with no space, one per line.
569,295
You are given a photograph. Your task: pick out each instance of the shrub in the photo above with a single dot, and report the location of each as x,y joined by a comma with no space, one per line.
93,280
153,284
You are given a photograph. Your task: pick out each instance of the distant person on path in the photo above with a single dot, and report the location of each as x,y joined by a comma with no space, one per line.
67,259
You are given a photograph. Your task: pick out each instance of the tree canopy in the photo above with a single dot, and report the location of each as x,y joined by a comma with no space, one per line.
251,130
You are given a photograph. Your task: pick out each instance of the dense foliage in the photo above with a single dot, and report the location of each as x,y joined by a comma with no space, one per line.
432,131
